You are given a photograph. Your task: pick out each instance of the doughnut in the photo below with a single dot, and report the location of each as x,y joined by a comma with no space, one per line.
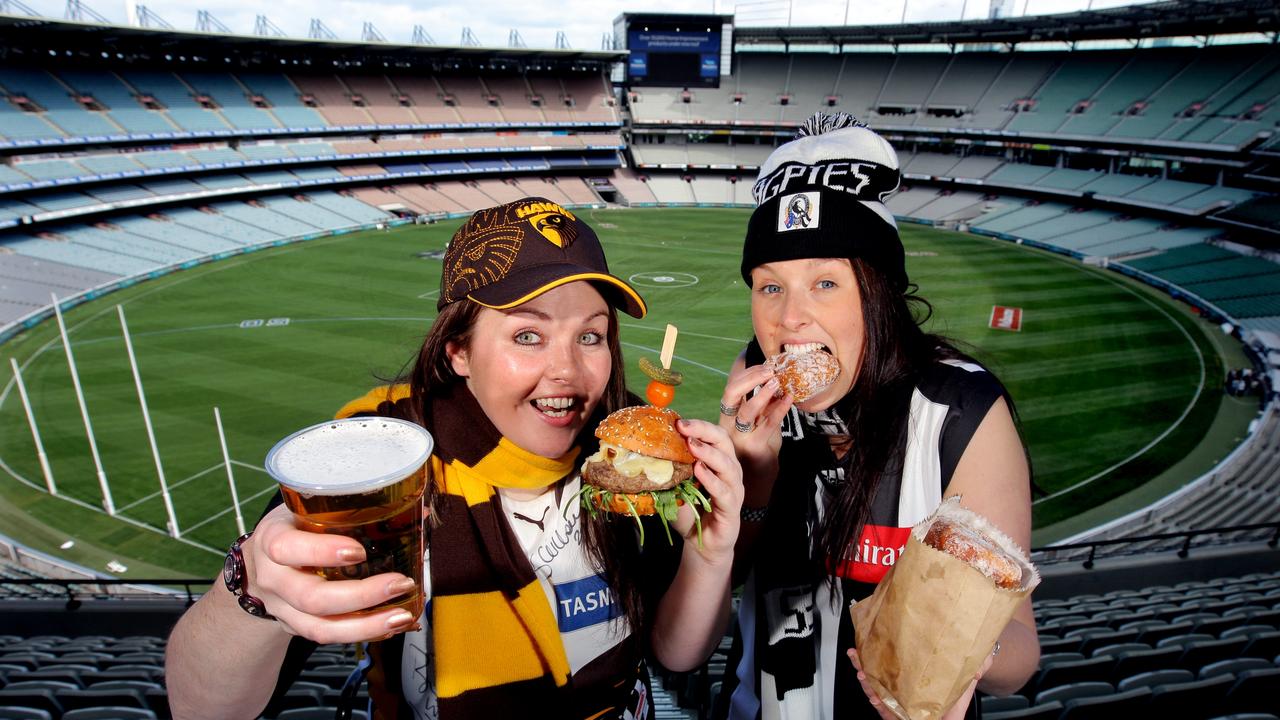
804,375
974,549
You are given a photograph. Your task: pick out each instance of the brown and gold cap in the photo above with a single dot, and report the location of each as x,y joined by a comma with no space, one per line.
507,255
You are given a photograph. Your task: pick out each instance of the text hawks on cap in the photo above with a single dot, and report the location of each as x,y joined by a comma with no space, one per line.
551,221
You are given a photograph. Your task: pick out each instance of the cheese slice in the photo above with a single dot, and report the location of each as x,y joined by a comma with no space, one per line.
631,464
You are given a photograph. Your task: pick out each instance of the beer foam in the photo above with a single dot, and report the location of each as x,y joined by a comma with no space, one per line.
348,456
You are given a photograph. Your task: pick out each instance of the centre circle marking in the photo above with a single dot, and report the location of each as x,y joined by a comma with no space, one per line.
663,279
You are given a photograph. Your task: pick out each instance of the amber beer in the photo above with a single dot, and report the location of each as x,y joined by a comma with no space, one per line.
363,478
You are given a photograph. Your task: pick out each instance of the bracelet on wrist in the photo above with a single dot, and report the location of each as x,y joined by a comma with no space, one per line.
236,580
755,514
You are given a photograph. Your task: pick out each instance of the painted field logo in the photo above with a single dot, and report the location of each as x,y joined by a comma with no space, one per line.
1006,318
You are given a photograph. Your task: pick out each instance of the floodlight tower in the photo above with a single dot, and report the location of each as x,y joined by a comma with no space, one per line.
77,10
263,27
319,31
206,22
421,36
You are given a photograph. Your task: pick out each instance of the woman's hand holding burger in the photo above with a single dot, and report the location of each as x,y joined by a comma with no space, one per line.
718,471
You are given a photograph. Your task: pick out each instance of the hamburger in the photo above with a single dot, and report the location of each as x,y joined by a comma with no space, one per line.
643,467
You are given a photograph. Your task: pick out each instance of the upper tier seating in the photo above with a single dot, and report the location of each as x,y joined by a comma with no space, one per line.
1223,96
76,103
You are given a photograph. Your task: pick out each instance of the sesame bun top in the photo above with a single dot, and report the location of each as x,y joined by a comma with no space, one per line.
647,430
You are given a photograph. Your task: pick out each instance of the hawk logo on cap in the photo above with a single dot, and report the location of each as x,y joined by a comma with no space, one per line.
551,221
798,212
487,246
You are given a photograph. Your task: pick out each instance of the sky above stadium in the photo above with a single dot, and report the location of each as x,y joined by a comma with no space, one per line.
584,22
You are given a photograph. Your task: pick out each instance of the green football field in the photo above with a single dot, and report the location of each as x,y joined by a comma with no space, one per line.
1113,383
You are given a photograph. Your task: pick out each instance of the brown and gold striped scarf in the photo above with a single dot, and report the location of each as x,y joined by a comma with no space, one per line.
497,645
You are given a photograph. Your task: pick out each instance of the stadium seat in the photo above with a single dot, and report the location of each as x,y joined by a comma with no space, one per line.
334,678
29,660
1246,630
1070,691
158,701
1048,711
53,672
1201,653
1118,706
1096,640
1055,644
317,714
1128,664
1264,645
38,699
296,697
109,713
992,704
1192,699
1153,635
24,713
93,678
1255,691
142,686
1234,666
1114,650
1153,678
77,699
50,685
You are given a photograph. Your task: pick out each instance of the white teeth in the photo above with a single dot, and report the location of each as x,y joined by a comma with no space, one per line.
554,406
802,349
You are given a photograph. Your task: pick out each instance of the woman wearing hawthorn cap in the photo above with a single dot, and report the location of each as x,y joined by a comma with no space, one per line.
533,609
833,483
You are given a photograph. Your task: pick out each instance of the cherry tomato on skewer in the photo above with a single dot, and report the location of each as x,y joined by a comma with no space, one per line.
659,394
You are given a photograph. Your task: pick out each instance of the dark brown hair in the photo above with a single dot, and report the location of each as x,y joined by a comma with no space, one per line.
611,547
895,352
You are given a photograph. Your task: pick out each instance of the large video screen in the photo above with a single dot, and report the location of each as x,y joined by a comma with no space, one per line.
671,58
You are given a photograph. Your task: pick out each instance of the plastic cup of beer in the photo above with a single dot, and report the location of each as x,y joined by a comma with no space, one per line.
363,478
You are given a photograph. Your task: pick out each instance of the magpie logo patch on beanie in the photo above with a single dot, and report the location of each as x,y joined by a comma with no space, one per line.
799,211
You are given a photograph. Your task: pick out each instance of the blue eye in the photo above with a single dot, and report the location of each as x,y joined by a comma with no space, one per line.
527,337
590,338
770,289
826,284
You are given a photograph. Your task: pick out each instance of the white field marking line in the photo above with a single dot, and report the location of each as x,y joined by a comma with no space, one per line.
172,486
685,332
162,285
1186,411
163,532
682,358
235,326
706,251
243,502
429,295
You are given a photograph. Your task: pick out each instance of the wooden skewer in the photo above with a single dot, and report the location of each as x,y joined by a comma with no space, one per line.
668,346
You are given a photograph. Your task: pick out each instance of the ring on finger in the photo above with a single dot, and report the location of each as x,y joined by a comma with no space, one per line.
741,426
729,410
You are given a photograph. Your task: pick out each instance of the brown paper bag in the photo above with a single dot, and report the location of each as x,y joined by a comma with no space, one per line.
933,619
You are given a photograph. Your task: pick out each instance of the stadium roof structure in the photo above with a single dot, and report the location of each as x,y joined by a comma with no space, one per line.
20,34
1168,18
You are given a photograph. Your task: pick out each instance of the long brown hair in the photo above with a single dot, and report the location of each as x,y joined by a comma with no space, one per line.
611,547
895,351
